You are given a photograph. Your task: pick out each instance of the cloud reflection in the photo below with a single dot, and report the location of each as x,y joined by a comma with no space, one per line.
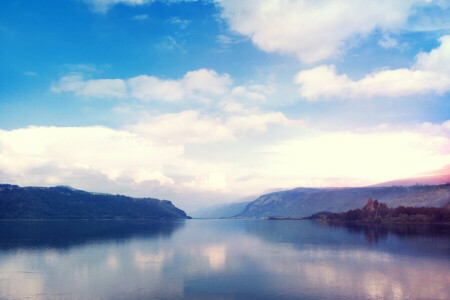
216,255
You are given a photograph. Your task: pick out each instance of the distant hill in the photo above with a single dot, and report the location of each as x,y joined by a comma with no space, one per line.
67,203
302,202
429,180
220,211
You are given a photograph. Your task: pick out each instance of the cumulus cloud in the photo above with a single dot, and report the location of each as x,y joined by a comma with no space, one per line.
190,126
97,150
313,30
259,123
200,85
430,74
97,88
184,127
248,92
234,107
149,88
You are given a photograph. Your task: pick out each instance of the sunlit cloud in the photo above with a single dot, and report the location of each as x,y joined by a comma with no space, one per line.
201,85
311,30
430,74
98,88
159,156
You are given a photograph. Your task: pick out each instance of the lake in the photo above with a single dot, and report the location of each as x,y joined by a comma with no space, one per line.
223,259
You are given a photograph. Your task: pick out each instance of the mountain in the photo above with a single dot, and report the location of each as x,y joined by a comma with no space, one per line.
430,180
67,203
302,202
220,211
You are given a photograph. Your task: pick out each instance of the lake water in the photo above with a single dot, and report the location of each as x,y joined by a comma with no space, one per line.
224,259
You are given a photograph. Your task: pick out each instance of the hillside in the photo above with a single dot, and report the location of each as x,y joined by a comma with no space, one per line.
220,211
302,202
67,203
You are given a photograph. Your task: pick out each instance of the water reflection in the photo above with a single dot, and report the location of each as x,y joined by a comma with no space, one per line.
68,233
216,255
234,259
376,232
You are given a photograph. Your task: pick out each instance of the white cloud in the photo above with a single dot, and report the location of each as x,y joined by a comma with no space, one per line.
313,30
233,107
199,85
207,81
429,75
190,126
144,175
214,181
64,151
184,127
148,88
387,42
438,60
259,123
97,88
247,92
244,99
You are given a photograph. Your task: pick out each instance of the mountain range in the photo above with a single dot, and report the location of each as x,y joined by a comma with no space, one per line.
302,202
63,202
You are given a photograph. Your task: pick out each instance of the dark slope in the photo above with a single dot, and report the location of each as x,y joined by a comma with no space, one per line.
303,202
67,203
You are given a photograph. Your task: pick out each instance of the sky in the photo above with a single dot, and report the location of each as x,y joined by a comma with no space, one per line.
206,102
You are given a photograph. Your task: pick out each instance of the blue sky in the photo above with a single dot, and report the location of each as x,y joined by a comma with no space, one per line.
221,100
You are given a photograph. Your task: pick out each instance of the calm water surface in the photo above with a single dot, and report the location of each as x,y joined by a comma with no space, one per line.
226,259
